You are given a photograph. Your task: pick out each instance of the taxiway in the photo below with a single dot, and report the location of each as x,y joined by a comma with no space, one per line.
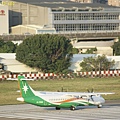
110,111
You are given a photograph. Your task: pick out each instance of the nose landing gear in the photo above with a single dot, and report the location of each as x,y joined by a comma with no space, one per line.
99,106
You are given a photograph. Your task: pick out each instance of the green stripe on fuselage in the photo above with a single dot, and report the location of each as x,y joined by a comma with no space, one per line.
38,101
69,104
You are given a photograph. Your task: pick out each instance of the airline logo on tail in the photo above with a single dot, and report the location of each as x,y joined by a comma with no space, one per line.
25,88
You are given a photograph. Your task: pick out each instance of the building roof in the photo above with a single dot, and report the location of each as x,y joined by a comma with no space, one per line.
64,4
35,27
93,44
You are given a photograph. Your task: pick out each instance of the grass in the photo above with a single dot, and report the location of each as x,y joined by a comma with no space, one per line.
8,89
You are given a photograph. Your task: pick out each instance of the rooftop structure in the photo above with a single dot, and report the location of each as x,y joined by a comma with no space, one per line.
32,29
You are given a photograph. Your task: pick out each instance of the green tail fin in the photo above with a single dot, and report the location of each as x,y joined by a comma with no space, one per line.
25,89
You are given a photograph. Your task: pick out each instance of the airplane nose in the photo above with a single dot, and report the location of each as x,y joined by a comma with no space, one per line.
98,99
102,100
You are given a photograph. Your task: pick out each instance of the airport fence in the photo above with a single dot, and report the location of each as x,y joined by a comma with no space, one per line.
48,76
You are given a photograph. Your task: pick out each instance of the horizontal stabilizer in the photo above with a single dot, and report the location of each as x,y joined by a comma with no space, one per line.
27,79
20,99
21,79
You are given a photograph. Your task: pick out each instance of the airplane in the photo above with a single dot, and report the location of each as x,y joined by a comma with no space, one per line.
58,99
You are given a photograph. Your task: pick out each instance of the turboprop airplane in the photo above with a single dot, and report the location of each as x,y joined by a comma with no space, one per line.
58,99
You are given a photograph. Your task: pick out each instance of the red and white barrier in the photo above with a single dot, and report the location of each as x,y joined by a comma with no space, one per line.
101,73
35,76
45,76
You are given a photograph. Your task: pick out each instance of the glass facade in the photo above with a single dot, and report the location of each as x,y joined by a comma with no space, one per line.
86,27
101,21
86,16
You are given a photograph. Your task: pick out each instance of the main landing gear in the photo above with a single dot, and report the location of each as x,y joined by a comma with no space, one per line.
57,108
72,108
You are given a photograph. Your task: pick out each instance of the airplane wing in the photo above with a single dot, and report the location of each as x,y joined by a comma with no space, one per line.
76,93
87,94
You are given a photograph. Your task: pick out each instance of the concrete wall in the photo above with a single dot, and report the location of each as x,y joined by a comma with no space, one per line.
43,15
4,20
24,14
105,50
11,64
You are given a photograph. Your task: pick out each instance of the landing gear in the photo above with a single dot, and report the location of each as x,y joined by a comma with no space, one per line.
72,108
57,108
99,106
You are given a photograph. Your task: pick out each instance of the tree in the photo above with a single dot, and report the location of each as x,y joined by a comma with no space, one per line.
47,53
1,42
96,63
7,47
75,51
116,48
91,51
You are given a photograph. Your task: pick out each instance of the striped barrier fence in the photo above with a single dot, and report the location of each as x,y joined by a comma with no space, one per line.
115,73
35,76
45,76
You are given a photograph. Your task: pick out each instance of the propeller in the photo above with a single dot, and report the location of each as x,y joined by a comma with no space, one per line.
90,91
92,98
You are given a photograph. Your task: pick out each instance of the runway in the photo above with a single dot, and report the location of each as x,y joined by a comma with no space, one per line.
30,112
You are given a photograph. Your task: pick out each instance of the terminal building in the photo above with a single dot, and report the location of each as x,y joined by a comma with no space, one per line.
64,16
